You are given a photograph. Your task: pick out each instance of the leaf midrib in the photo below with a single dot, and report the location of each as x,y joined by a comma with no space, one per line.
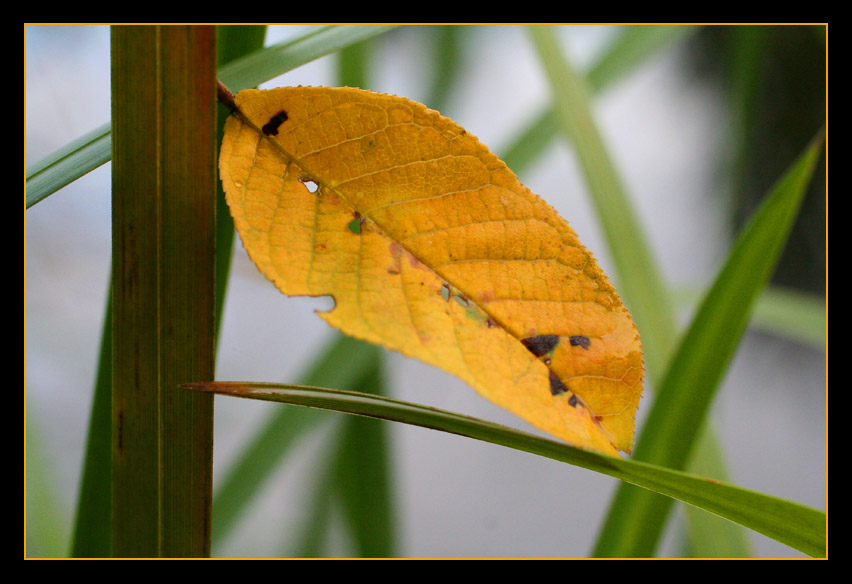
308,174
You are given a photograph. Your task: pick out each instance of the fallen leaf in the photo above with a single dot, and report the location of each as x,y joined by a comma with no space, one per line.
431,246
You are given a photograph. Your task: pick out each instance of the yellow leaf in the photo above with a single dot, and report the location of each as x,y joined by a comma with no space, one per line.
431,246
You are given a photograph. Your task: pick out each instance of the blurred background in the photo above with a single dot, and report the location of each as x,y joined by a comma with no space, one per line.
698,133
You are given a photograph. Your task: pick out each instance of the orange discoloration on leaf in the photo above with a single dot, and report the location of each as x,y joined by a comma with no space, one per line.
441,219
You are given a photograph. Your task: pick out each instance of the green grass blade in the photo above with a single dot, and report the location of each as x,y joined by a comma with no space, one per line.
93,522
312,532
254,69
94,149
68,164
355,474
633,46
285,427
784,312
636,519
795,525
44,518
362,479
448,58
706,535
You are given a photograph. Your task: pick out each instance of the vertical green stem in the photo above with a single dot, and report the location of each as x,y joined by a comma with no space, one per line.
163,288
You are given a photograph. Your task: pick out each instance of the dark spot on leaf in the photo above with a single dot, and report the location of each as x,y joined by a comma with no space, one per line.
271,128
541,344
579,341
572,401
490,323
556,386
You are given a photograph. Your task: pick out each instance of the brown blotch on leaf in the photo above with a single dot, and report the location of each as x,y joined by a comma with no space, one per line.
580,341
541,344
271,127
572,401
556,385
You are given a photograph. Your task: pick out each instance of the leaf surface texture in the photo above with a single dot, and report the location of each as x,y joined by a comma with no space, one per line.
432,247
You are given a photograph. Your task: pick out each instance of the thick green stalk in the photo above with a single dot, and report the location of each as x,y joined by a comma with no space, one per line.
92,525
164,87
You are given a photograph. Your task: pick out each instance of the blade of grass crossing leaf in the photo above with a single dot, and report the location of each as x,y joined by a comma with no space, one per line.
639,279
94,149
795,525
701,360
343,363
707,535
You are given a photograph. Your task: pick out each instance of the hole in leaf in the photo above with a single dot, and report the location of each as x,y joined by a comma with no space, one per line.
311,185
460,299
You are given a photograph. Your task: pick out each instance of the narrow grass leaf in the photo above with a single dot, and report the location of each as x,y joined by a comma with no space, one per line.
795,525
636,519
284,429
93,521
784,312
67,164
633,46
261,66
363,478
